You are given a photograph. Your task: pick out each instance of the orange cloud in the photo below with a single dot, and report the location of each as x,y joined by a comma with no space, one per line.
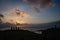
18,12
14,16
25,15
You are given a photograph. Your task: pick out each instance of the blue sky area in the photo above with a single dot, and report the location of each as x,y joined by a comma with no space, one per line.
46,14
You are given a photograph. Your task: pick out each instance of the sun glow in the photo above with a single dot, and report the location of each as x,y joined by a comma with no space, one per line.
21,22
17,21
15,16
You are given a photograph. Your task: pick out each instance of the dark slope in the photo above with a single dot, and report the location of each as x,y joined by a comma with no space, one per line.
19,35
52,34
49,34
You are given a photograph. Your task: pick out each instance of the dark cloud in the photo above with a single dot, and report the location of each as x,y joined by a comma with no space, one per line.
41,4
0,21
50,5
36,9
16,11
31,1
1,15
46,3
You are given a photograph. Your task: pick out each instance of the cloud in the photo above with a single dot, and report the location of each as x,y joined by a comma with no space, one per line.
25,15
31,1
1,16
42,3
16,11
46,3
35,9
50,5
13,16
20,13
12,21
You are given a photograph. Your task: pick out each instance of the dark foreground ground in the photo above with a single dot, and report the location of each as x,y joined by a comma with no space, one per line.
49,34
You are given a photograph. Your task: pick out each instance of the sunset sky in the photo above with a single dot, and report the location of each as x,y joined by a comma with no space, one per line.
30,11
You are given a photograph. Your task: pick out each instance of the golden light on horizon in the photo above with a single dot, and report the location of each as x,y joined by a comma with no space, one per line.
21,22
17,21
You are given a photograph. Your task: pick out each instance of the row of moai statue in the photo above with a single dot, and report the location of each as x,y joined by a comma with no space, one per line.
15,28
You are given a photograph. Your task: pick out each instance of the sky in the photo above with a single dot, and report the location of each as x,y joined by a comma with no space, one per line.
30,11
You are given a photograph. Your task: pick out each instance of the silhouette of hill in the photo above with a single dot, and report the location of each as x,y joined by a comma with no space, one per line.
19,35
52,34
49,34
